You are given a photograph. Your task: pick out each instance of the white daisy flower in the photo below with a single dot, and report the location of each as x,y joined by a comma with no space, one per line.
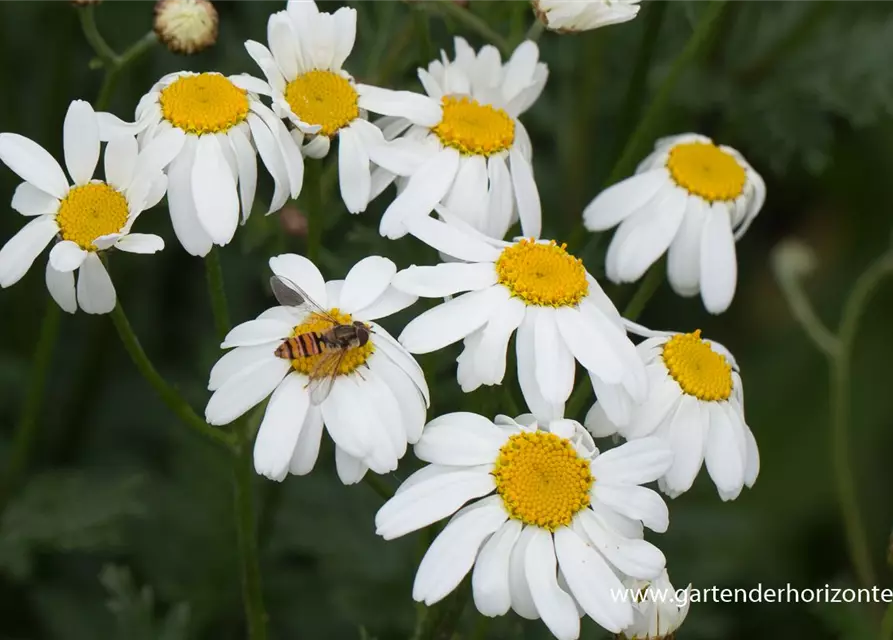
695,404
659,612
210,125
86,217
377,398
304,66
690,199
466,149
560,312
582,15
551,529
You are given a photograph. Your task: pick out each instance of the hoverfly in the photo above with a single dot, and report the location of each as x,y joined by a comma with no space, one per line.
333,343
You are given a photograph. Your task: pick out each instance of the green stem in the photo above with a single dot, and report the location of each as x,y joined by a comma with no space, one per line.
246,534
440,620
168,394
243,475
646,130
841,371
475,23
378,485
28,426
106,54
313,185
113,71
535,31
217,293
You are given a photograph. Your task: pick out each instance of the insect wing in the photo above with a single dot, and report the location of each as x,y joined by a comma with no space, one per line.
291,295
322,377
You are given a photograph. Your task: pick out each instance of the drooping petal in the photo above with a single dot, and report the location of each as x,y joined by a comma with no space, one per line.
354,177
281,426
214,191
20,251
96,293
490,579
719,266
61,288
67,256
555,606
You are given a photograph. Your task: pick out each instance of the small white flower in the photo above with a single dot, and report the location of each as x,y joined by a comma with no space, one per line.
582,15
87,217
186,26
304,66
560,312
695,404
690,199
658,613
210,126
464,146
376,403
551,527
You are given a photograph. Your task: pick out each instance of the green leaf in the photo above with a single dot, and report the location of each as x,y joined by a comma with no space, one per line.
134,609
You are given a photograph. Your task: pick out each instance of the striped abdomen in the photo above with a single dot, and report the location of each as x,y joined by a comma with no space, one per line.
303,345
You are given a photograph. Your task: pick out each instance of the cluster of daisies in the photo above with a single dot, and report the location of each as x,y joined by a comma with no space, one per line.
547,525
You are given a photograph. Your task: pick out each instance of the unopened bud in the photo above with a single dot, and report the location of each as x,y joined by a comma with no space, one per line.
186,26
793,258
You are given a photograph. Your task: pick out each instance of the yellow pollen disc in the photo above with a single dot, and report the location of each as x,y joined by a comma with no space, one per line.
324,98
474,128
542,480
543,275
355,356
90,211
705,170
699,370
206,103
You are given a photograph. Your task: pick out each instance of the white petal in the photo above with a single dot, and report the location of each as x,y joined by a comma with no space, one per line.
303,273
752,468
615,402
685,435
663,395
255,332
410,399
555,606
96,293
237,361
617,202
634,462
460,439
490,579
388,346
180,201
684,255
446,279
307,450
214,191
723,454
161,151
250,84
522,600
32,163
591,581
354,175
247,165
281,426
526,194
500,198
451,555
140,243
634,557
518,70
451,240
67,256
241,392
346,420
491,352
648,239
468,195
719,268
423,191
451,321
430,500
638,503
282,44
120,161
80,139
555,362
589,344
365,282
345,34
61,288
527,365
388,303
271,155
264,59
350,470
415,107
31,201
20,251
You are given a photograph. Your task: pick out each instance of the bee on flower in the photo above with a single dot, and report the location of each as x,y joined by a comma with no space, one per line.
82,219
690,199
547,525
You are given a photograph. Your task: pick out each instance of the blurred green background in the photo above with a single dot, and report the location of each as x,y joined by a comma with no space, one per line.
122,526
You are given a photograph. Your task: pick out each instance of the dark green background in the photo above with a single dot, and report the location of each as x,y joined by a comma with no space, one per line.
116,485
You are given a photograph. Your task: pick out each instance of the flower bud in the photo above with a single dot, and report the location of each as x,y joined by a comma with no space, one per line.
582,15
658,610
186,26
793,258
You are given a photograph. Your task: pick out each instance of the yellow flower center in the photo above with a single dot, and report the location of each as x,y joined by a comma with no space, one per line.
542,480
544,275
353,357
705,170
474,128
324,98
699,370
90,211
206,103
